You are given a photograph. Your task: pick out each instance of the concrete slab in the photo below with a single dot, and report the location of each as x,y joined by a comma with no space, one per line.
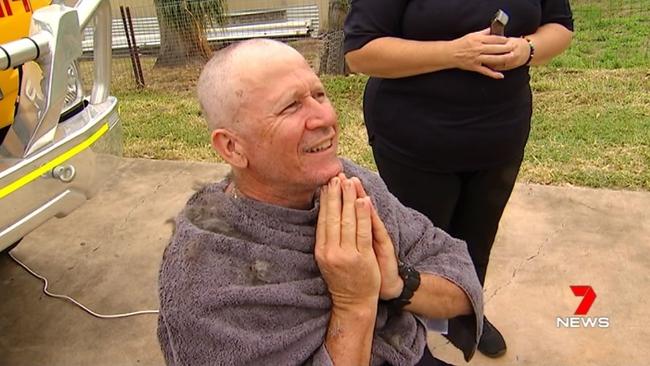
106,255
554,237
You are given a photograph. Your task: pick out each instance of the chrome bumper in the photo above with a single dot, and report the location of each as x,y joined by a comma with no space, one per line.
61,176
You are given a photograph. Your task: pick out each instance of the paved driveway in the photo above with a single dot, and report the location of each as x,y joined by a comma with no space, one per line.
106,254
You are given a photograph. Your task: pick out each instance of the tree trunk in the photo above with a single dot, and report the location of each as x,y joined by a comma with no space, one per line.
182,45
332,59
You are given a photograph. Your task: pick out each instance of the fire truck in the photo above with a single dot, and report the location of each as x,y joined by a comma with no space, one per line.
59,137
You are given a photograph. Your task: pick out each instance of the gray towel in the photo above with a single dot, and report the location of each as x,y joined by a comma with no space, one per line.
239,284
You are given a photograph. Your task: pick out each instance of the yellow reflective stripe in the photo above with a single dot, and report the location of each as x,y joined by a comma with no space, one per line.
53,163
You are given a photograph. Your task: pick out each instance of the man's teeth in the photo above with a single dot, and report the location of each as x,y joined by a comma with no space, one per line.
321,147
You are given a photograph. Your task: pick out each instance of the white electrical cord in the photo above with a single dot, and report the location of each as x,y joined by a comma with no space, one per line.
64,297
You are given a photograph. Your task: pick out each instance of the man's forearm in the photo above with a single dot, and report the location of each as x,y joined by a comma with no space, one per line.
437,297
349,335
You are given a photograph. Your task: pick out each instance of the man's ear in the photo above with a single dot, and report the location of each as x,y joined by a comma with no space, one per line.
228,145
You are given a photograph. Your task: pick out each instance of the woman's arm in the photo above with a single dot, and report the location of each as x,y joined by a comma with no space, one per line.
549,41
391,57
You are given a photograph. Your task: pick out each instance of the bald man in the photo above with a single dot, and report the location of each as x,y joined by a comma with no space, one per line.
299,257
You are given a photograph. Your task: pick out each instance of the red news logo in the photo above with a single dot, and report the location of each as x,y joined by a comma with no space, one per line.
588,297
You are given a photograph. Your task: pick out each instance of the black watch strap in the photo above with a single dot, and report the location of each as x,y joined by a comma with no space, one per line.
411,279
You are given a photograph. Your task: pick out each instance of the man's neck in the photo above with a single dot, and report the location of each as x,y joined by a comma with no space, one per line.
287,197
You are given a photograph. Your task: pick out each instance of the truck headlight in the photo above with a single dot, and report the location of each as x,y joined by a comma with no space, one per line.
74,90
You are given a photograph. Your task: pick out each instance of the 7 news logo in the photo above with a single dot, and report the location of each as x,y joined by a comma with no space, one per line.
581,320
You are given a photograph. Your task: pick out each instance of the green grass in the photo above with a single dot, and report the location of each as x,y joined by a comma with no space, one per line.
346,95
609,34
163,126
590,128
591,121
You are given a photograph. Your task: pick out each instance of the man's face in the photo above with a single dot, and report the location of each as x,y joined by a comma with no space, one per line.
291,133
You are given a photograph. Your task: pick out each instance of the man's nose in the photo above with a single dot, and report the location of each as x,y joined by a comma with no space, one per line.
321,114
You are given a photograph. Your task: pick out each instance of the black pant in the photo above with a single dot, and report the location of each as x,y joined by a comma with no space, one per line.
467,205
428,359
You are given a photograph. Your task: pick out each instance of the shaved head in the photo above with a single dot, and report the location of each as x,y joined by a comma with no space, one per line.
223,85
271,120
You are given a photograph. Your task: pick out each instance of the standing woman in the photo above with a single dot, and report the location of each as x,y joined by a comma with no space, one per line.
448,109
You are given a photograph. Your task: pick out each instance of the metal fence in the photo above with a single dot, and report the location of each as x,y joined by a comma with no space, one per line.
144,55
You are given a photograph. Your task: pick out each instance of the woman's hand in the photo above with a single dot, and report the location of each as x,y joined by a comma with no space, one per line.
511,60
472,51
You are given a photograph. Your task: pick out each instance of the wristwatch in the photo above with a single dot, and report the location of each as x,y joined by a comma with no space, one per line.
411,279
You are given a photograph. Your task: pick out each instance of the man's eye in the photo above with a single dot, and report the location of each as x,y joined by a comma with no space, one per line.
319,96
291,107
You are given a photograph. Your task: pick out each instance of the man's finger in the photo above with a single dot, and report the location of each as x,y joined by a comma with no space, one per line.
333,225
321,232
364,224
361,192
349,216
382,243
378,228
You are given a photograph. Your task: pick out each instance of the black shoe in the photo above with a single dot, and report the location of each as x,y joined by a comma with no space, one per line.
491,343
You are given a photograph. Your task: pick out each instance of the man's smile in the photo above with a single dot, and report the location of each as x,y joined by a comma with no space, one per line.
322,146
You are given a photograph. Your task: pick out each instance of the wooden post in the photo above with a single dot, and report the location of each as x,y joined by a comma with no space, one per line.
136,51
332,59
128,41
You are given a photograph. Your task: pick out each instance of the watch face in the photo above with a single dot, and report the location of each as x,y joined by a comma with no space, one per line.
410,276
